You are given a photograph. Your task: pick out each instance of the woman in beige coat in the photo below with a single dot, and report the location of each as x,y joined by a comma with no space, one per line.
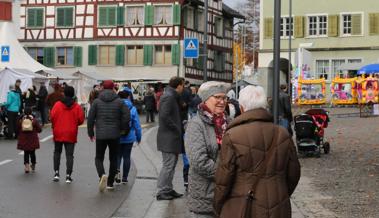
258,169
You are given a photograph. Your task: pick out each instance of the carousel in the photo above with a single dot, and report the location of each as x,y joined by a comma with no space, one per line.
311,92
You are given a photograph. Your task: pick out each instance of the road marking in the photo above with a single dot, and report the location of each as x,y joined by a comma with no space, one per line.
46,138
5,162
21,153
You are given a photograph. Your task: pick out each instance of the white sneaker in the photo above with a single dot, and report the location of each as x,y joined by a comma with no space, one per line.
103,183
110,188
56,177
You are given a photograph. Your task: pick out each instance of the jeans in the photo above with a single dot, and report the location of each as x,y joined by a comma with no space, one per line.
101,146
164,183
31,155
283,122
150,114
186,167
12,123
124,154
69,148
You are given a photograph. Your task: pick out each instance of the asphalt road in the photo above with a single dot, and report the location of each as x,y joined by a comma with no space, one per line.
35,195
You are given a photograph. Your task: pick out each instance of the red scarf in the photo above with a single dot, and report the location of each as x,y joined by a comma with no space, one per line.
219,122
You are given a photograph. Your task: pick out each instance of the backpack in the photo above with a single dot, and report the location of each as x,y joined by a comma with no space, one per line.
27,124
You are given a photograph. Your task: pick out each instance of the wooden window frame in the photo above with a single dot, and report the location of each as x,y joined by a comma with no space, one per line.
65,57
73,17
43,18
36,53
170,22
164,56
109,63
126,15
98,17
217,29
134,54
284,27
317,23
341,22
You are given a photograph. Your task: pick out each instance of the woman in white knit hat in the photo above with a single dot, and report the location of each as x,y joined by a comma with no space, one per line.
203,140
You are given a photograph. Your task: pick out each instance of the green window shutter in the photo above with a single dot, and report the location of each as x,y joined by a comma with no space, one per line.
149,15
92,54
120,55
185,17
223,61
60,17
78,54
39,17
268,28
120,16
356,24
49,56
69,13
177,15
112,16
102,16
299,27
175,54
333,25
148,55
31,17
374,24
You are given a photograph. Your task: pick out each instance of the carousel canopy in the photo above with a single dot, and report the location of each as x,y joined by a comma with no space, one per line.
369,69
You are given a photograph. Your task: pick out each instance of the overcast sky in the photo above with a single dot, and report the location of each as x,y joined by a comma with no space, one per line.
233,3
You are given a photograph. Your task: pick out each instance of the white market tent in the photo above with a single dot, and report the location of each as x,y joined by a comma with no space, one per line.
9,76
84,84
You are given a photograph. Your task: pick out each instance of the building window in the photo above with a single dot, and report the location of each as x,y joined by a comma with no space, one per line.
163,15
353,61
200,20
65,17
163,54
36,54
135,15
190,18
219,27
6,11
346,19
322,69
35,17
107,16
107,55
135,55
285,26
317,25
219,61
65,56
335,65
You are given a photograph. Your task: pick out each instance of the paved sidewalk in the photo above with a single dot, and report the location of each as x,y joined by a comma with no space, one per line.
141,202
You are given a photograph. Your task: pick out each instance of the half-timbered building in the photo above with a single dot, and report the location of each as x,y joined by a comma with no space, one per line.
128,39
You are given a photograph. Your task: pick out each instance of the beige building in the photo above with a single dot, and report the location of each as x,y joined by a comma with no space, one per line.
336,33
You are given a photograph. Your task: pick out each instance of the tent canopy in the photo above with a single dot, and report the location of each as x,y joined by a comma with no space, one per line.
369,69
53,74
92,75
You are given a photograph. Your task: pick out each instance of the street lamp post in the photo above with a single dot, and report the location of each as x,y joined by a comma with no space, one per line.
290,51
275,97
205,42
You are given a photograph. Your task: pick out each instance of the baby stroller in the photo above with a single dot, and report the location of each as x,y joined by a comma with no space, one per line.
3,121
309,128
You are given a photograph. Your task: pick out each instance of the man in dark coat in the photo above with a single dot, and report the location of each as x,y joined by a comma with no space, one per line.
285,112
111,118
42,95
169,138
149,101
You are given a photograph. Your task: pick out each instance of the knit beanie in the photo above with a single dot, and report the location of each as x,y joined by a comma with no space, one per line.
210,88
69,91
108,84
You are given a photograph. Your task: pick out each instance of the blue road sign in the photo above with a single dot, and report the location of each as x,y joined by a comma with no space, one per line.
191,48
5,53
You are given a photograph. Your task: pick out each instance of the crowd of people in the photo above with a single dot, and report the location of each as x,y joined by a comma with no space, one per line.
237,163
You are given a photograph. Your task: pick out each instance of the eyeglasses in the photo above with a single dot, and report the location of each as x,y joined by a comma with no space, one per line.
220,97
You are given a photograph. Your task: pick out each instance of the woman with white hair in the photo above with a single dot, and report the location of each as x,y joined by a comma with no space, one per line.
203,140
258,169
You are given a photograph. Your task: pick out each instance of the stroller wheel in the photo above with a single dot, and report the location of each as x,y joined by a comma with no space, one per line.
326,147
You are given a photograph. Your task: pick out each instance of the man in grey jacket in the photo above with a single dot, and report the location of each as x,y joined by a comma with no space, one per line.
111,118
170,137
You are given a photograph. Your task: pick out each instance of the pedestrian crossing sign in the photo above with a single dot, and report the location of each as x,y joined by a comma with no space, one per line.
191,48
5,53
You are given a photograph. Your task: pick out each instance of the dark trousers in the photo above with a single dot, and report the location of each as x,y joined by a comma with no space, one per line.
69,148
150,116
31,155
101,146
124,154
42,111
12,123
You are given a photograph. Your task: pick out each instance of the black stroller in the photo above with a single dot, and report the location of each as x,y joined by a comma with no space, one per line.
3,121
309,128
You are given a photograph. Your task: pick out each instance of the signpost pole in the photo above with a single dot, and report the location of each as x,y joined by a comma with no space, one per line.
205,42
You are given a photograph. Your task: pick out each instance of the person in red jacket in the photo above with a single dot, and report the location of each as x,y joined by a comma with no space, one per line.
66,116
